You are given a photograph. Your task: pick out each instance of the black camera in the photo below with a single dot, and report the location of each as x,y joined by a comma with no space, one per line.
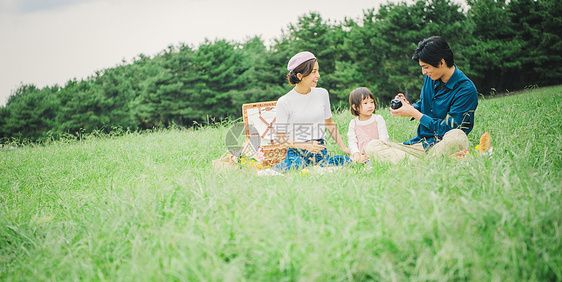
395,104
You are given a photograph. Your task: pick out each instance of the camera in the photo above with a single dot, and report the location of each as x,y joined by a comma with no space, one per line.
395,104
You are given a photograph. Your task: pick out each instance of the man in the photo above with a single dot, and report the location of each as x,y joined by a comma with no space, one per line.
447,101
445,110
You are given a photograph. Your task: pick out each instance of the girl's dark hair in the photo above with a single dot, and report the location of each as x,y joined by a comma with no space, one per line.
304,68
432,50
357,96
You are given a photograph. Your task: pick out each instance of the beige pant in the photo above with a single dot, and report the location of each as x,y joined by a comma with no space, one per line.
453,141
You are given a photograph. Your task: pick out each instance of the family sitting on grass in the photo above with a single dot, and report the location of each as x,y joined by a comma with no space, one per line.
445,111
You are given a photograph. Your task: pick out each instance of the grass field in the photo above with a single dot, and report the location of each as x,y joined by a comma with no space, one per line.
149,206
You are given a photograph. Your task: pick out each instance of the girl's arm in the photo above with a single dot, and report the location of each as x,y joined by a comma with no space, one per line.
352,142
333,129
383,132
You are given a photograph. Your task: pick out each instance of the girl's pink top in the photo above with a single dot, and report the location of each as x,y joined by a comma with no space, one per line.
366,133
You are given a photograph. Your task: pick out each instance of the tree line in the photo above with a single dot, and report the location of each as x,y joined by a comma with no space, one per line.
501,45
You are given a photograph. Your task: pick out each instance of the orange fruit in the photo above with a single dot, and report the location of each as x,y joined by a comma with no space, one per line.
485,142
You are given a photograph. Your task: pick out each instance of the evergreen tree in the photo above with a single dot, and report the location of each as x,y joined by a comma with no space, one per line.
161,100
538,32
81,107
501,45
29,113
494,51
260,80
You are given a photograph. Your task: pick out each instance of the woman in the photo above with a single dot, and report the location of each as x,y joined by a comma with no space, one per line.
303,115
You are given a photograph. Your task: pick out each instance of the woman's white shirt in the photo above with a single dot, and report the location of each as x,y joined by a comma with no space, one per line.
302,116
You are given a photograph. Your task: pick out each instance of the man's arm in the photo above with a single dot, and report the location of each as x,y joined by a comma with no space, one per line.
460,115
407,110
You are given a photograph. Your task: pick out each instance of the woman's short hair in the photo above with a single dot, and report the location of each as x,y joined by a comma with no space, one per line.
431,50
305,69
357,96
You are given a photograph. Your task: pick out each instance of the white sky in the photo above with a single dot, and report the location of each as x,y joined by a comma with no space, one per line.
48,42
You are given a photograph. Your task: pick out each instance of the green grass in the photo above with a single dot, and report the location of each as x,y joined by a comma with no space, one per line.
150,207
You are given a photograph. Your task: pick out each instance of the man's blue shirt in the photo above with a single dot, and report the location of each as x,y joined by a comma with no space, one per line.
445,107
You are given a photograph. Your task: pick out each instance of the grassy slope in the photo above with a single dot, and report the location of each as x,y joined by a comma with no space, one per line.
149,206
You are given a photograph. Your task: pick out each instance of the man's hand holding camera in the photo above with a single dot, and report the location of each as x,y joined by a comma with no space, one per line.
401,107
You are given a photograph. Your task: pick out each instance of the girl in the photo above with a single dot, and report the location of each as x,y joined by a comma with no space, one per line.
367,126
303,115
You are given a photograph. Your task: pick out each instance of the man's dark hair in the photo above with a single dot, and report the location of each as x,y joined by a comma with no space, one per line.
432,50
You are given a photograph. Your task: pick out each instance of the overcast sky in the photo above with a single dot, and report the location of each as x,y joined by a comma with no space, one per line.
48,42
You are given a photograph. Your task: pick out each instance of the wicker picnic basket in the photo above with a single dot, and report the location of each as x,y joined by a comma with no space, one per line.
259,120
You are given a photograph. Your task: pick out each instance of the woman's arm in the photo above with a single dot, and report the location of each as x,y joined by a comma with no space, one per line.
313,147
333,129
352,141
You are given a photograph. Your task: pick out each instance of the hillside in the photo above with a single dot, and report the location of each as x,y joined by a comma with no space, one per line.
149,206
